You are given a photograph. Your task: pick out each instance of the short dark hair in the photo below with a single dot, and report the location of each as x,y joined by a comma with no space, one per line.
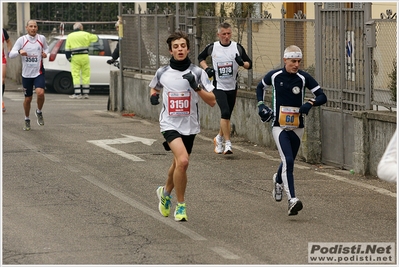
31,20
223,25
175,36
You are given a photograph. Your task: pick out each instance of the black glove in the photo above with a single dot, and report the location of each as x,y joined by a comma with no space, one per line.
191,79
265,113
304,109
210,72
110,61
154,99
239,60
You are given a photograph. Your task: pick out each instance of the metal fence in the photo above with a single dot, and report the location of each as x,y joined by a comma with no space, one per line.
343,59
384,63
144,49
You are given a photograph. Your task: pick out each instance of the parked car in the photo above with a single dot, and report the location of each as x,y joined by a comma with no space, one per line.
58,69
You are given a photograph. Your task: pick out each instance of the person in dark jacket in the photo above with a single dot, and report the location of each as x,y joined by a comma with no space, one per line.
288,90
115,54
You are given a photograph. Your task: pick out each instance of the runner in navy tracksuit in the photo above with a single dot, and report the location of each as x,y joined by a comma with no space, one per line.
287,110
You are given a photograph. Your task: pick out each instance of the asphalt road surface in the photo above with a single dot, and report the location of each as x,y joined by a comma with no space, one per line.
81,190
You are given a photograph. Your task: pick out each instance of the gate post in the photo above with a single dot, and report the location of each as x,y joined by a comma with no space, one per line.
368,47
250,53
282,34
360,157
318,40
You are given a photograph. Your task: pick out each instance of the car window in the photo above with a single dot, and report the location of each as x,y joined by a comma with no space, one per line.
62,47
97,48
52,44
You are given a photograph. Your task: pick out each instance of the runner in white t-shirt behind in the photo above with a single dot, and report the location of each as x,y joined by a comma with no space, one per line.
227,57
182,84
33,48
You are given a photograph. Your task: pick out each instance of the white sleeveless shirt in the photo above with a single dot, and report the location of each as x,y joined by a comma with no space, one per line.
225,65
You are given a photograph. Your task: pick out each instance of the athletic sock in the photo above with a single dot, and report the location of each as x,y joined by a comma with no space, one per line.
165,193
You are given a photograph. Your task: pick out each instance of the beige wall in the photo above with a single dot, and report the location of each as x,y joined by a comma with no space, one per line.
274,8
381,7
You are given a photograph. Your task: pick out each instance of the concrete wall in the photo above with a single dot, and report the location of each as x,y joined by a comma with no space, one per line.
14,66
373,131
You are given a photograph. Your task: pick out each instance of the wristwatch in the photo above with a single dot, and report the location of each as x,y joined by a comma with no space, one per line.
199,88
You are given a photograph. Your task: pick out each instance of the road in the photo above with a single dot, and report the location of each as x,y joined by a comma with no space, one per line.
81,190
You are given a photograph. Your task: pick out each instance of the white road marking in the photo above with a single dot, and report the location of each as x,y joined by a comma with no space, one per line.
155,214
360,184
128,139
225,253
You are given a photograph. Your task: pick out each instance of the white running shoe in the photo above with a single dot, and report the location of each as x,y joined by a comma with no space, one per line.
218,146
277,189
40,120
86,96
227,148
294,205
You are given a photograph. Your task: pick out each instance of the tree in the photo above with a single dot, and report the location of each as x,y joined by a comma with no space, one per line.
392,84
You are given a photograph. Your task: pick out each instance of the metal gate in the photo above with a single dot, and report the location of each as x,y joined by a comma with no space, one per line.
340,34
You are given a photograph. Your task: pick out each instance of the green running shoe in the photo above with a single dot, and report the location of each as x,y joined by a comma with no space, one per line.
180,212
164,202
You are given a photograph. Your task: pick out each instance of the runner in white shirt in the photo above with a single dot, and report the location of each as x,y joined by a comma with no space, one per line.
227,57
33,48
182,84
388,166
